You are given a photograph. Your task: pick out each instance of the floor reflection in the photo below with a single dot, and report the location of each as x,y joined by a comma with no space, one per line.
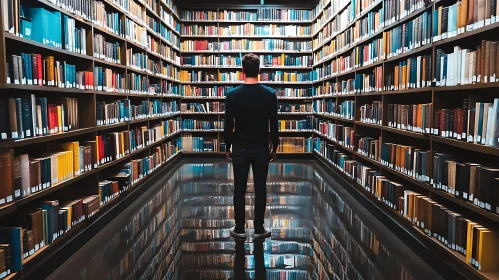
181,231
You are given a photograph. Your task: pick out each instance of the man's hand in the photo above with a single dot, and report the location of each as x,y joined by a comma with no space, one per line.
228,155
273,155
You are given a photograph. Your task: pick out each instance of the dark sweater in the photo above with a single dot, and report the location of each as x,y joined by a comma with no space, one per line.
253,107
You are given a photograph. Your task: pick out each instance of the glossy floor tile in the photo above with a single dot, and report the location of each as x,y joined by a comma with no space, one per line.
179,229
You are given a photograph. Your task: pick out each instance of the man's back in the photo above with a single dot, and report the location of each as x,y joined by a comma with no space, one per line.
252,106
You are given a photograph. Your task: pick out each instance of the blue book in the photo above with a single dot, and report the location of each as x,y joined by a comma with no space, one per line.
452,21
480,109
13,237
435,23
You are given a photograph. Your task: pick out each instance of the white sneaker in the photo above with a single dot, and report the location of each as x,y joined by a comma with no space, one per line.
266,233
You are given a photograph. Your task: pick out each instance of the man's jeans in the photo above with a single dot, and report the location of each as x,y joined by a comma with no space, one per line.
242,157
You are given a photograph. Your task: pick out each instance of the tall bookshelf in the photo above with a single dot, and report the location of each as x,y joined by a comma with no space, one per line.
332,22
158,24
216,24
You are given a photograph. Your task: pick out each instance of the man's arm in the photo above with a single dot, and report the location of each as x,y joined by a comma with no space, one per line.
229,122
274,131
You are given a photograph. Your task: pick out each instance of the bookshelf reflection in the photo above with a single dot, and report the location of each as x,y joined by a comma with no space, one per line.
182,231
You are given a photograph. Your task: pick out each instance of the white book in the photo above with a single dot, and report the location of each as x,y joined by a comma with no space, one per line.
494,135
450,68
485,123
491,124
457,79
464,67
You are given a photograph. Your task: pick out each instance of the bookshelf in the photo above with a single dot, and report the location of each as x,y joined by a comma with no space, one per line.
99,59
212,49
367,80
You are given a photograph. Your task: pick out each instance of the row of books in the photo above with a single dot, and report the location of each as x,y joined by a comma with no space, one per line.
396,10
372,113
53,29
295,125
39,227
415,117
409,160
415,72
29,116
476,125
229,60
326,15
247,29
463,16
452,229
294,108
471,182
216,91
341,160
435,220
163,30
343,135
189,124
245,45
201,144
32,69
368,82
466,66
361,30
333,27
188,91
15,18
262,14
238,76
448,227
408,36
111,112
345,110
107,51
108,20
294,145
207,107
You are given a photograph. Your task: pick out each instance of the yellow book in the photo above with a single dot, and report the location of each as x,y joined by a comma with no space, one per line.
469,242
59,119
122,143
77,169
282,59
97,149
488,252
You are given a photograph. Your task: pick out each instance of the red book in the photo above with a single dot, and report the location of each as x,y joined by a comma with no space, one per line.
442,120
39,71
459,121
34,62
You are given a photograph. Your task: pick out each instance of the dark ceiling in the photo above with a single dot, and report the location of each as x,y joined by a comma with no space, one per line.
199,4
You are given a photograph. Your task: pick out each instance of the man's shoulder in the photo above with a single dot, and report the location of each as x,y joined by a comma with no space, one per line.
268,89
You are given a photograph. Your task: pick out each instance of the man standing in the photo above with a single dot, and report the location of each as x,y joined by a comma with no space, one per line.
253,107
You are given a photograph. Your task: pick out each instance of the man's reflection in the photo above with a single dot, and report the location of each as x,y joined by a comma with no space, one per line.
240,260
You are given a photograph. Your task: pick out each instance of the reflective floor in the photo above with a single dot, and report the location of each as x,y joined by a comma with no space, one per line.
179,229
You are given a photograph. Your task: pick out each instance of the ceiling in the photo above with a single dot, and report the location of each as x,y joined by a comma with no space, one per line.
190,4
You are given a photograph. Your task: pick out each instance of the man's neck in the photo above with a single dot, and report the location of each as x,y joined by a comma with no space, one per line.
250,81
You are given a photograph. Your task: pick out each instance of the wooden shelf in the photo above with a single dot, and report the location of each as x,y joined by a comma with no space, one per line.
41,139
465,145
46,47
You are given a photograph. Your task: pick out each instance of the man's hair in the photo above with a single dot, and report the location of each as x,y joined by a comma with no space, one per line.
251,65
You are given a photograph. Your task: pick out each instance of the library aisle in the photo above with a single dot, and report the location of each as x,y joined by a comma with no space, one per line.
179,229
